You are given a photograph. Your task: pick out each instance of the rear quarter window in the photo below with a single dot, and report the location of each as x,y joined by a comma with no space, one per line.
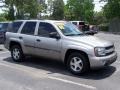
5,26
14,27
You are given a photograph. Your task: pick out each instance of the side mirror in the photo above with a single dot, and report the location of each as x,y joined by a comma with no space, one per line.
54,35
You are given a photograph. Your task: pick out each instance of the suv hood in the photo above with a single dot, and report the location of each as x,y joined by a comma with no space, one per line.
90,40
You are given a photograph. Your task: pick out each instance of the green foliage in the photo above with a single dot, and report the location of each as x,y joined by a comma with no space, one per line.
58,9
99,18
112,9
2,17
89,10
10,5
50,7
32,7
18,8
79,10
104,27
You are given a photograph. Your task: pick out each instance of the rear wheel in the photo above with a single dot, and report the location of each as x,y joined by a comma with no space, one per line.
77,63
17,53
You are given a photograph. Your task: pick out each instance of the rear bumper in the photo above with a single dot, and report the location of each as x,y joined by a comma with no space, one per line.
99,62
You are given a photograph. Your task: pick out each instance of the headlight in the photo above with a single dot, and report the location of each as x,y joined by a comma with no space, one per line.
100,51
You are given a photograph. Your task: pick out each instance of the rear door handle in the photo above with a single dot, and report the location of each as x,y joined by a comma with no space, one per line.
38,40
20,37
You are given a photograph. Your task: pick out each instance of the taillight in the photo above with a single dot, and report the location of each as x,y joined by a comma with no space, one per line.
4,36
0,33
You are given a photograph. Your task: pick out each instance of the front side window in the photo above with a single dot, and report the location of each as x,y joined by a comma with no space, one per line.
45,29
68,29
29,28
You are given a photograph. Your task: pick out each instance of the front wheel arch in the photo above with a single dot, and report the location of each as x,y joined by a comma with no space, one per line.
73,51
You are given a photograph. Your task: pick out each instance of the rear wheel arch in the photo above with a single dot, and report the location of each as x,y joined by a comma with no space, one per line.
12,43
16,51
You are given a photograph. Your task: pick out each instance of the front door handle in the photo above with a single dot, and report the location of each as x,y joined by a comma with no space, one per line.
38,40
20,37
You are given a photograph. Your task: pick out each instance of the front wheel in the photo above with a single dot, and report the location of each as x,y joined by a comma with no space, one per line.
77,63
17,53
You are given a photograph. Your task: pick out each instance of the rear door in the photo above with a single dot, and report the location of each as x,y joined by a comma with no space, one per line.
27,37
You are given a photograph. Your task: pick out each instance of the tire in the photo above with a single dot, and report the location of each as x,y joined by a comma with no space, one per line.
93,34
77,63
17,53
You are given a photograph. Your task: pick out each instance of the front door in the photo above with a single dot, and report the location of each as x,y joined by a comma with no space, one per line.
45,45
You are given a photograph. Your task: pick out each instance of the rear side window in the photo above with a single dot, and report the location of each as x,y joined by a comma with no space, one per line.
45,29
14,27
29,28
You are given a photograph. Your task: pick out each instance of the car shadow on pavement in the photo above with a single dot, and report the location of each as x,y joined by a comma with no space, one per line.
58,67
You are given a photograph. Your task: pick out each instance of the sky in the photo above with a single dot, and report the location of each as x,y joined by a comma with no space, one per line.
98,5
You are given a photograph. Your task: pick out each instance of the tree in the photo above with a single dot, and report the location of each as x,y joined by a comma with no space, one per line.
99,18
58,9
88,11
18,8
112,9
79,10
32,7
69,12
10,5
2,17
50,7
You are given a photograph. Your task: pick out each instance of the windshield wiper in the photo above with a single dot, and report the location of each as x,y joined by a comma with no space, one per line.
70,34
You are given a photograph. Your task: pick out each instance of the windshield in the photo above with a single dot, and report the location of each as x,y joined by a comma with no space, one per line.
68,29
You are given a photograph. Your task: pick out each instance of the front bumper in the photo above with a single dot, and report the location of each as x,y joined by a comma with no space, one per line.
99,62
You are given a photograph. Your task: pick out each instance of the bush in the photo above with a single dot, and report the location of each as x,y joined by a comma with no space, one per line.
2,19
104,27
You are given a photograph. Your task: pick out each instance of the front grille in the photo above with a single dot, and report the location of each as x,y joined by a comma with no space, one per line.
109,53
109,47
110,50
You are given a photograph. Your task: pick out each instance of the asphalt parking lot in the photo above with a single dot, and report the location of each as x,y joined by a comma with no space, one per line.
40,74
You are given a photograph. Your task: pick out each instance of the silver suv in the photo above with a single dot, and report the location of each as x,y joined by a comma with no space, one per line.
58,40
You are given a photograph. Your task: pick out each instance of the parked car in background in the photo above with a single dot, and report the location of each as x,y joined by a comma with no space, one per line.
61,41
79,24
94,28
86,28
3,29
